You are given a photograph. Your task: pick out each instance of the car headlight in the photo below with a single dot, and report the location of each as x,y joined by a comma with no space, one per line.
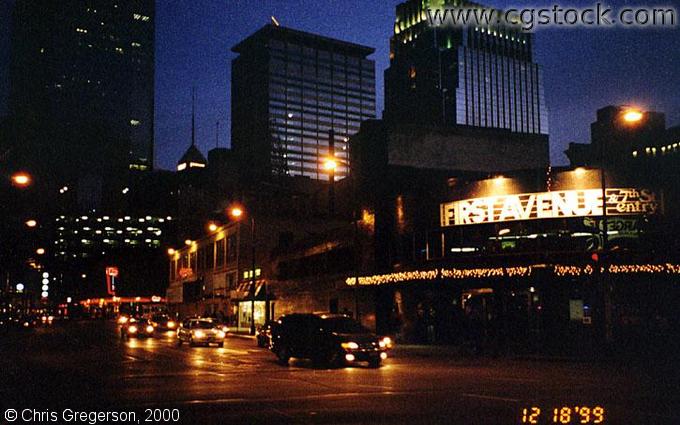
349,345
122,320
149,329
199,334
385,342
132,329
221,334
171,324
225,329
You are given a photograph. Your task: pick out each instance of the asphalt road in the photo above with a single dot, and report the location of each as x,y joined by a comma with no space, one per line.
86,367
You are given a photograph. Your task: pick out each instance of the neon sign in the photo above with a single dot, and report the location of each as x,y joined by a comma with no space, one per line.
545,205
111,275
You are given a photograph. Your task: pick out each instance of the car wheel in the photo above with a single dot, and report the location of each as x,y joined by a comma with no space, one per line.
191,342
283,355
334,359
374,363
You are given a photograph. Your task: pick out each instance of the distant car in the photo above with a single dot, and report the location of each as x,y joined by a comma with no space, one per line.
200,332
163,322
27,321
264,334
331,339
136,327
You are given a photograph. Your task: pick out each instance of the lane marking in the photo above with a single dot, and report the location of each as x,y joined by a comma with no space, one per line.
489,397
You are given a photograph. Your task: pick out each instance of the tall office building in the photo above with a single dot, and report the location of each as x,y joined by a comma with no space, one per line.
290,89
480,76
84,70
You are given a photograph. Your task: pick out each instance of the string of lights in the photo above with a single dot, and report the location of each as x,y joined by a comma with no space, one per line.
559,270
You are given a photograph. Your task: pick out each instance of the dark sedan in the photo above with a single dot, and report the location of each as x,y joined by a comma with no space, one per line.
330,339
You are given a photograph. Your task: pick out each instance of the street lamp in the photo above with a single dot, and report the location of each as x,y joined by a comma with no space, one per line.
21,179
212,227
632,115
629,117
40,251
330,164
237,213
171,251
31,223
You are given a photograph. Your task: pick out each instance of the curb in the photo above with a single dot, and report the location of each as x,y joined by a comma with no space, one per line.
239,335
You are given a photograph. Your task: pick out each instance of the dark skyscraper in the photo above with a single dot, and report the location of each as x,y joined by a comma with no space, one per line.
289,90
84,72
480,76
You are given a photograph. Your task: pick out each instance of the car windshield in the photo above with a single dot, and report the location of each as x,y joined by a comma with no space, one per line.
203,324
344,325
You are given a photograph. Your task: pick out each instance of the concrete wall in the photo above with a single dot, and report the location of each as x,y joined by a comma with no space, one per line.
475,151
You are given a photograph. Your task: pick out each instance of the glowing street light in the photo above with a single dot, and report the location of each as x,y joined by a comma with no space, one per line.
212,227
21,179
40,251
188,242
31,223
236,212
580,171
632,116
171,251
330,164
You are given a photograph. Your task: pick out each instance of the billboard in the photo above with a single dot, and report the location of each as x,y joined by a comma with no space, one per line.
546,205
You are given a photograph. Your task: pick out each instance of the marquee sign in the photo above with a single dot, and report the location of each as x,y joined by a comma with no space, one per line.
558,204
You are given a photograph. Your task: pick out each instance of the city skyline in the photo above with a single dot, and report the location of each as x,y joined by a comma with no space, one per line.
604,66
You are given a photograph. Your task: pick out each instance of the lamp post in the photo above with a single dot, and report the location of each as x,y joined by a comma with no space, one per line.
237,214
628,117
331,164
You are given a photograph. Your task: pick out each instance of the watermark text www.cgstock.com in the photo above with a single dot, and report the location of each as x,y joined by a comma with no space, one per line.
532,18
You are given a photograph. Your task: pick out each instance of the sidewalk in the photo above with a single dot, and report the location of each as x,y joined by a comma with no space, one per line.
455,352
242,335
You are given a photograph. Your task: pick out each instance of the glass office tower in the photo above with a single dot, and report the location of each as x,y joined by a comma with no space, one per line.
479,76
290,90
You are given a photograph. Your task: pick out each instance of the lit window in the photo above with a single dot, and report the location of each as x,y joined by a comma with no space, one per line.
135,44
134,122
119,50
80,30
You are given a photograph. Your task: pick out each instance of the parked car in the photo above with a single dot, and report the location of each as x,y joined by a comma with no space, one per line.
331,339
163,322
200,331
136,327
264,334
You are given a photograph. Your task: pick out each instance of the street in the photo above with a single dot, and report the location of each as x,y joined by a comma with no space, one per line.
85,366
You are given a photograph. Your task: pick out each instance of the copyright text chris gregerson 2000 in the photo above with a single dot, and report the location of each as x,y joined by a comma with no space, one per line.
73,416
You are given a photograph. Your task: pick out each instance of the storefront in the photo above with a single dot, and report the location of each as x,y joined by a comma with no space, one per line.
529,268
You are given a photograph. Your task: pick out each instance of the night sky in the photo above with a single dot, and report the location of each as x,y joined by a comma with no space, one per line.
584,69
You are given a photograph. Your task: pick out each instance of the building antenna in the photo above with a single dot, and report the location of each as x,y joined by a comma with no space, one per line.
217,134
275,22
193,116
